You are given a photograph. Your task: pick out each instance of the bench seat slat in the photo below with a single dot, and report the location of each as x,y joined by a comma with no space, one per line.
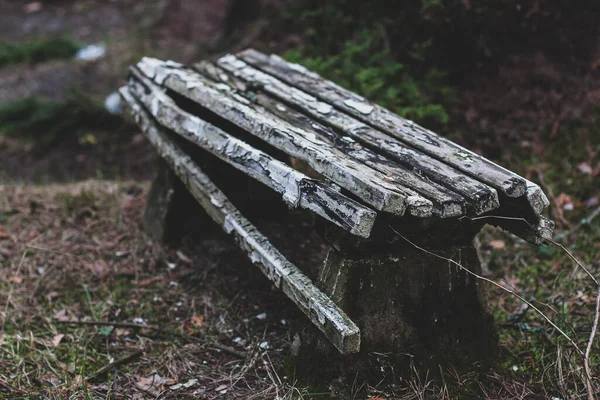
297,189
446,203
481,197
369,185
322,312
402,129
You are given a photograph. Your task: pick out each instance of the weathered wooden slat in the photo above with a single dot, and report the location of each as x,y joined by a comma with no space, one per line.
538,200
446,203
481,198
535,231
296,188
367,184
404,130
322,312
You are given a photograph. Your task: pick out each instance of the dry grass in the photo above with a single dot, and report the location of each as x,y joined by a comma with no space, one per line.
74,256
76,253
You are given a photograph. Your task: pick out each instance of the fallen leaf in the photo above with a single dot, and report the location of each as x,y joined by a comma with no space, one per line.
146,282
497,244
592,201
190,383
33,7
563,199
54,381
186,385
51,296
585,168
222,387
197,320
153,384
61,315
261,316
183,257
122,332
56,339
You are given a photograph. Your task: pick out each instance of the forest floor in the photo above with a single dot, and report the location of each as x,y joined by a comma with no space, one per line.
195,319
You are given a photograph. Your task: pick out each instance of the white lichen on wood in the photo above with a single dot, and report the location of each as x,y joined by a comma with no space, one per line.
402,129
368,184
480,197
296,188
322,312
446,203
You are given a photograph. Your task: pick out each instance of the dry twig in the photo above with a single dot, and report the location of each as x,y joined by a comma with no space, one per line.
585,355
116,363
214,345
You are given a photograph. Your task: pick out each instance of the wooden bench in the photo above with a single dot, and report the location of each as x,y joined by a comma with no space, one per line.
394,200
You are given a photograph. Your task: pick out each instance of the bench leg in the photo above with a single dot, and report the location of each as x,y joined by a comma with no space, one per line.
414,302
169,206
409,306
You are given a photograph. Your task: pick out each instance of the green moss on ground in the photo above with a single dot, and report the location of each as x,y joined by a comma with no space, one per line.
46,122
37,51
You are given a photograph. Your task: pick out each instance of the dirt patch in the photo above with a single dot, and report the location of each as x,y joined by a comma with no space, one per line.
529,95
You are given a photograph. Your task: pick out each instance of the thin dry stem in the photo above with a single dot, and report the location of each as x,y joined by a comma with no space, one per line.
590,343
508,290
12,287
588,350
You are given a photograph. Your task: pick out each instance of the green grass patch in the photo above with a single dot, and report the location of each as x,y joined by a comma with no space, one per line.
365,65
355,52
37,51
46,122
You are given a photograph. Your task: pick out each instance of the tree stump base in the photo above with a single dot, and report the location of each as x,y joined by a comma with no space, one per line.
411,304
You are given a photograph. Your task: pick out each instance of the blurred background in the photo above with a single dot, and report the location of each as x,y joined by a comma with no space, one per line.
517,81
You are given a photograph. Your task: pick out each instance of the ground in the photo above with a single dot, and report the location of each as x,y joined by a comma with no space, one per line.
195,318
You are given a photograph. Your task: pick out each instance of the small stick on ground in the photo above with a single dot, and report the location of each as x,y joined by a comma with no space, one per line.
588,350
508,290
230,350
118,362
215,345
590,343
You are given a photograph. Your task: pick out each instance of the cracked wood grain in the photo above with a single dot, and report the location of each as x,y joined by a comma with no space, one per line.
296,188
367,184
321,311
446,203
480,197
402,129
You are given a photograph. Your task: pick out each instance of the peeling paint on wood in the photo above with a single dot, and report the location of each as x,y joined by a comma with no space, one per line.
296,188
322,312
368,184
538,200
480,197
402,129
446,203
